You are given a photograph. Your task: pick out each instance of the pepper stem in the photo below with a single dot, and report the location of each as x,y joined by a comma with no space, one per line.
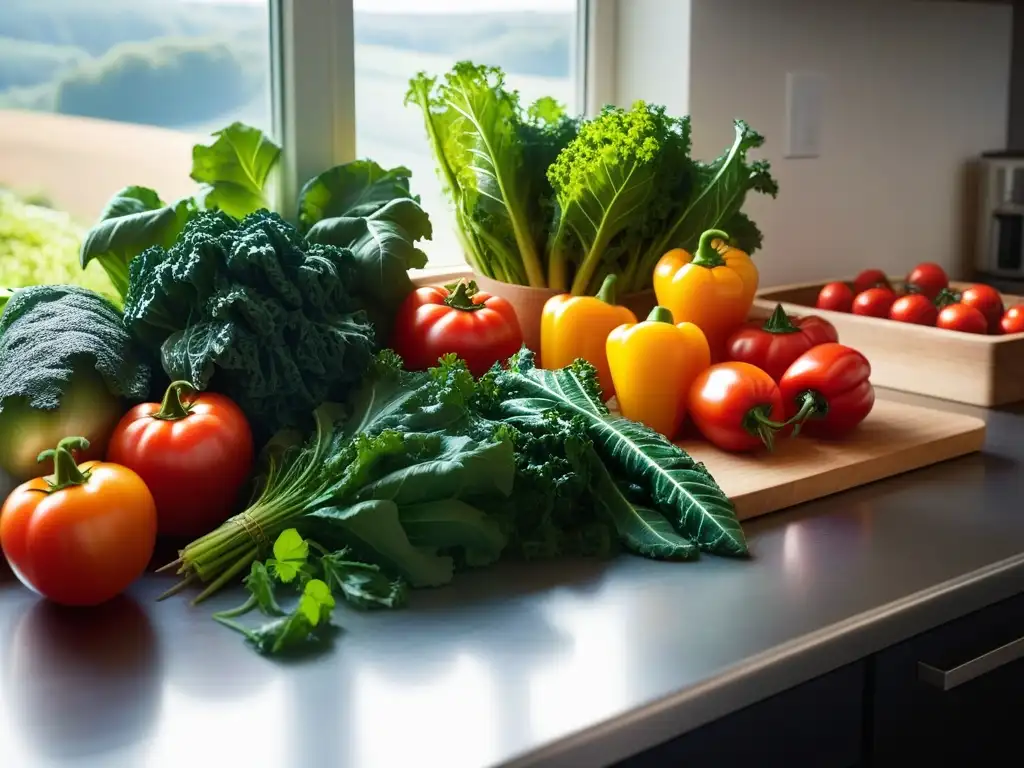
707,255
461,296
172,408
779,322
811,404
758,422
661,315
607,292
65,471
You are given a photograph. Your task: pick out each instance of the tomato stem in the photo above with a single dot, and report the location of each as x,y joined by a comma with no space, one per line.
945,297
607,292
707,255
758,421
66,472
811,405
779,322
660,315
462,297
172,408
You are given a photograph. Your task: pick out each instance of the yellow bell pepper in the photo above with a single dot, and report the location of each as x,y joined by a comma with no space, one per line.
714,289
653,365
578,326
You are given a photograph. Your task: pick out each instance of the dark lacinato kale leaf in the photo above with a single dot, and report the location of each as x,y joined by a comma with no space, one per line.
48,333
245,308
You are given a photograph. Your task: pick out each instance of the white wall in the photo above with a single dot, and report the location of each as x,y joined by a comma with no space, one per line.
914,91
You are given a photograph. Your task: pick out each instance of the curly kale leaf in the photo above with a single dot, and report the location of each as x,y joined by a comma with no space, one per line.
48,333
246,309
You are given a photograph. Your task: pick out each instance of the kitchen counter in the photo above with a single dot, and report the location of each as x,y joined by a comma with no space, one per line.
567,663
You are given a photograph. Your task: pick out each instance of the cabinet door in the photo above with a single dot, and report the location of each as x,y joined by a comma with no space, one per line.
815,725
953,696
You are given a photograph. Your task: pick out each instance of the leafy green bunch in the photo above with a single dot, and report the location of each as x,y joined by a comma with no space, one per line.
546,200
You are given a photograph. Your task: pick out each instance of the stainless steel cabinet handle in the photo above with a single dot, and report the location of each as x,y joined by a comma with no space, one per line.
951,678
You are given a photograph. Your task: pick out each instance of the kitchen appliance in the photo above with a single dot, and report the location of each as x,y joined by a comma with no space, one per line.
1000,237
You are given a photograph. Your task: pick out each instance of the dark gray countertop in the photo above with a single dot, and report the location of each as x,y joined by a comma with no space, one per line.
569,663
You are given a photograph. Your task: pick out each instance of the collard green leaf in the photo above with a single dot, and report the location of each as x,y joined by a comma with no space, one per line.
235,169
374,531
449,524
350,190
48,333
642,530
680,487
134,219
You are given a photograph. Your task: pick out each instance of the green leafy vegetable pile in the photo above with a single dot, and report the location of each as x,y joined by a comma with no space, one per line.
542,199
249,306
424,474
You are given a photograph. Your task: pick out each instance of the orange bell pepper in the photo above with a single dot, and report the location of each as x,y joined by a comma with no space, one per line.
578,326
653,365
714,289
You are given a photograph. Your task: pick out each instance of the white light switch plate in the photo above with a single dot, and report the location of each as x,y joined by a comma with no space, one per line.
805,107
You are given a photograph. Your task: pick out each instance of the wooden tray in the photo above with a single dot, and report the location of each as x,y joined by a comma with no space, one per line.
963,367
895,438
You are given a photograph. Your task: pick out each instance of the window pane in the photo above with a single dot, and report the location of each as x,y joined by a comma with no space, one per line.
96,95
533,41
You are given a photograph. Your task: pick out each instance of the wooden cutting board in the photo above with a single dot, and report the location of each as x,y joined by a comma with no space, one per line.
895,438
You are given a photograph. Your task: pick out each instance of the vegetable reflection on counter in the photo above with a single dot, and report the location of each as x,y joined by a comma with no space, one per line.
428,473
547,200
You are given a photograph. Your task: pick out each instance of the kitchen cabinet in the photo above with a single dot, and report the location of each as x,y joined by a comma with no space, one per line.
816,724
951,696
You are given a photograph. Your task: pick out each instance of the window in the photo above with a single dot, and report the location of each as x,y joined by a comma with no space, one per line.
533,41
96,95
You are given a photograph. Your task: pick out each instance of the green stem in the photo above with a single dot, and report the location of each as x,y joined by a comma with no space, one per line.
65,471
225,577
607,292
661,315
706,255
811,404
779,322
946,297
241,610
462,297
172,408
758,422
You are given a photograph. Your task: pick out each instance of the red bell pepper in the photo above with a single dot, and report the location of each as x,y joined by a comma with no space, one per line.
775,344
827,391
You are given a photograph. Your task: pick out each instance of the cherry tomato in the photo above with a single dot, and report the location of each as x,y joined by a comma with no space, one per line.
914,308
736,406
480,328
1013,320
194,456
774,344
874,302
870,278
986,300
837,297
827,390
960,317
927,279
82,535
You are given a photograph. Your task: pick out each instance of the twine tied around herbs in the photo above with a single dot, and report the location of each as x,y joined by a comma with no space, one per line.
253,530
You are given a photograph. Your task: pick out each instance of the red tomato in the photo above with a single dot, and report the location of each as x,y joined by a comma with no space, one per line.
81,535
773,345
194,457
914,308
828,391
986,300
837,297
480,328
736,406
927,279
874,302
870,278
960,317
1013,320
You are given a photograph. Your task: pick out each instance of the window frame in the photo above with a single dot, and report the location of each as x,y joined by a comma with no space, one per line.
312,54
